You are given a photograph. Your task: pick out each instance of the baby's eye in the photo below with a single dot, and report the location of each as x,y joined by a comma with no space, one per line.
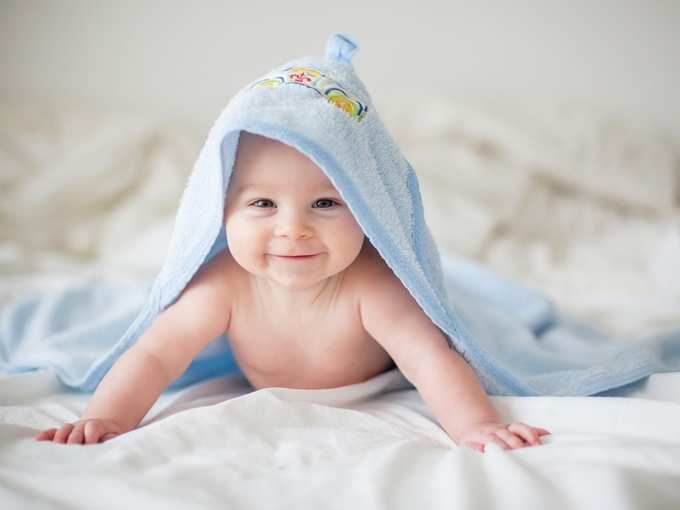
265,200
324,203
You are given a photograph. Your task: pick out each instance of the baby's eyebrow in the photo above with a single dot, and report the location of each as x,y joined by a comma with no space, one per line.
267,187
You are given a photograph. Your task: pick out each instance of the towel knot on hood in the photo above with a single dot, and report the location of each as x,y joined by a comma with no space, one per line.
341,47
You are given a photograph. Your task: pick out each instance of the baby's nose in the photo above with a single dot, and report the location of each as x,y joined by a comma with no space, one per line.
293,226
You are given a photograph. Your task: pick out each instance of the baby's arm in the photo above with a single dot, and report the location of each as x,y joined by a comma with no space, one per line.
446,382
164,351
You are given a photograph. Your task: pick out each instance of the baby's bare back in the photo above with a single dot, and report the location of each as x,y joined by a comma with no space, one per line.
323,346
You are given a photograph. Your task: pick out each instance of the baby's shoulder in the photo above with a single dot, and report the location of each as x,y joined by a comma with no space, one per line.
220,273
370,269
383,300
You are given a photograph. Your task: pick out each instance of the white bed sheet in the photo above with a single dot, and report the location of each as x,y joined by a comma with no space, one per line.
220,444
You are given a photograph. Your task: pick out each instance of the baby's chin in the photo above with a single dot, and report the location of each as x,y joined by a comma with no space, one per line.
290,274
295,286
295,282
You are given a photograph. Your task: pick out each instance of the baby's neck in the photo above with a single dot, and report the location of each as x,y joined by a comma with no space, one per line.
274,296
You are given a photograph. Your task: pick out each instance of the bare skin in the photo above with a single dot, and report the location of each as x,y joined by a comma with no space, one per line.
306,302
318,347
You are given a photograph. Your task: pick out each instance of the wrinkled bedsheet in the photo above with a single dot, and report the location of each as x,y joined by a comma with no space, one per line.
370,445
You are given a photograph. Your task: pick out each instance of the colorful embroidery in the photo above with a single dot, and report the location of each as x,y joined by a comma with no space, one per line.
315,80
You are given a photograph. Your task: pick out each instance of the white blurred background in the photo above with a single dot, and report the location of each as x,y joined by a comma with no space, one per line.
546,134
188,58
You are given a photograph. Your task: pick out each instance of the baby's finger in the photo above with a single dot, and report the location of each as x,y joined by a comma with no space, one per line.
525,432
63,433
475,446
542,432
510,438
93,431
76,436
46,435
492,438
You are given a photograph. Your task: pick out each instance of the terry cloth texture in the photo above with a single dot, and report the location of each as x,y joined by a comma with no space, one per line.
511,335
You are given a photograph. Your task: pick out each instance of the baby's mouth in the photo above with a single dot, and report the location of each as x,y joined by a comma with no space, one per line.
295,257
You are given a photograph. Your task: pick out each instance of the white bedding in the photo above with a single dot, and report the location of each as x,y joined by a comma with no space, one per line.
581,204
370,445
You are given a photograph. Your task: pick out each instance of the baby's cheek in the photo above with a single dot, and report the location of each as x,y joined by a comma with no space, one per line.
345,253
241,245
353,237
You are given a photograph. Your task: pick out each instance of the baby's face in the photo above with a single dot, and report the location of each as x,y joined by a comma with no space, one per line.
284,220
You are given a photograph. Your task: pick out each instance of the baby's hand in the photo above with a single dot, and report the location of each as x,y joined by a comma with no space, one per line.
90,431
515,435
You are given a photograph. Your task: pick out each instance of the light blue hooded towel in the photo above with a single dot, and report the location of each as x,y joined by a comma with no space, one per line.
512,336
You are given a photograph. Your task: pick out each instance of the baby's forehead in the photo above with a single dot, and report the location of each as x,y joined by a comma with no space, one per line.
251,144
264,161
277,179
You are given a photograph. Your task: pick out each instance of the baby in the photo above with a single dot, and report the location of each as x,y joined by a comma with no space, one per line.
305,301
